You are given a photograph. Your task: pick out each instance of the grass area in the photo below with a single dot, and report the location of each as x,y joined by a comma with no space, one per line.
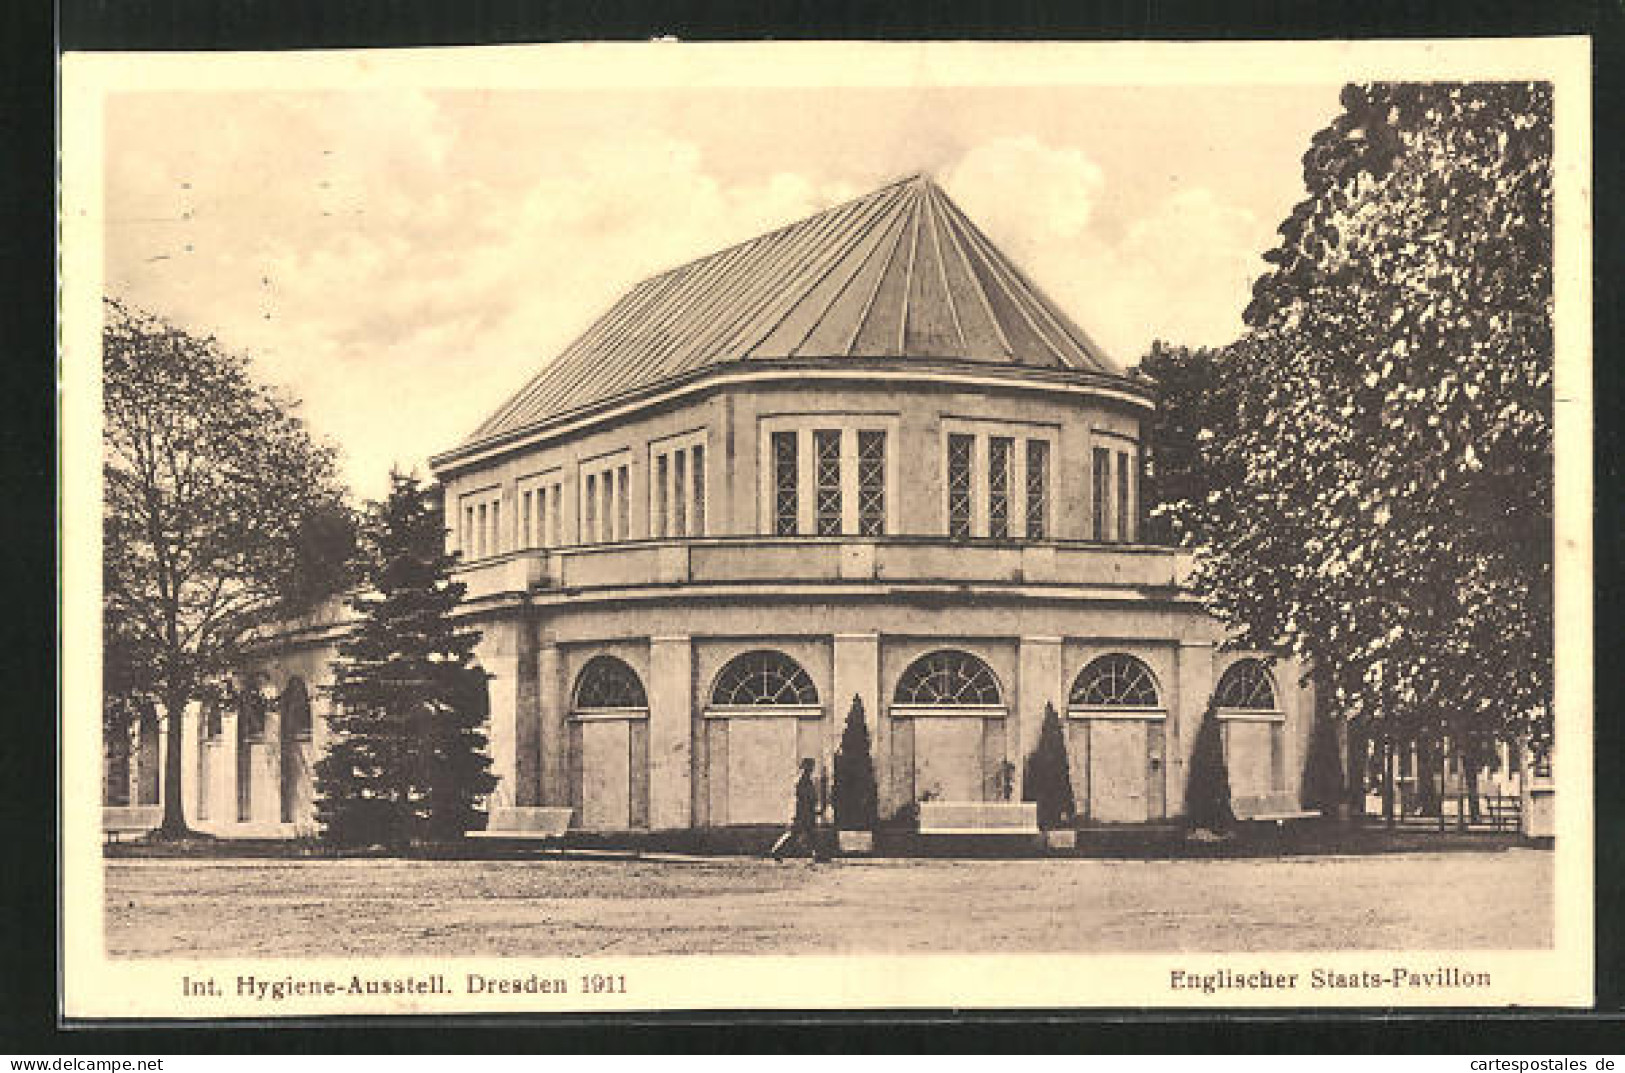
551,907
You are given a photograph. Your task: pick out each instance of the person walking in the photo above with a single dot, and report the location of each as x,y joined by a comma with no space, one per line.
803,831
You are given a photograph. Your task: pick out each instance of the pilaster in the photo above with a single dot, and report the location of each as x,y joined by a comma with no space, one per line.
191,761
552,733
497,656
267,800
857,673
671,698
223,804
1039,681
1193,663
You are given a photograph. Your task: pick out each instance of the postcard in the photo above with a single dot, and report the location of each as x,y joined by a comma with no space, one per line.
826,526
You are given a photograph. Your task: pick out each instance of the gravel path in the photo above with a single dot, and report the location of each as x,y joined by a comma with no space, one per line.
291,908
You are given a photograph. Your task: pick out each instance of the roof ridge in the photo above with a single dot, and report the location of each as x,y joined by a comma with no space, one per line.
849,278
874,194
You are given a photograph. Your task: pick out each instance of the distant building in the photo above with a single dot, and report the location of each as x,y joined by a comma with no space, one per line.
862,456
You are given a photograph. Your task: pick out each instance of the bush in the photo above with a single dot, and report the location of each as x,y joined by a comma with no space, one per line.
1048,778
1207,793
855,791
1323,768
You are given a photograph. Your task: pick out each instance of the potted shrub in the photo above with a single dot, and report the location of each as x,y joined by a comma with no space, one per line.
855,790
1047,783
1207,792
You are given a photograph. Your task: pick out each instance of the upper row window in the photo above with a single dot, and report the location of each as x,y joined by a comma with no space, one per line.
827,481
677,487
606,501
480,519
997,486
541,512
1112,485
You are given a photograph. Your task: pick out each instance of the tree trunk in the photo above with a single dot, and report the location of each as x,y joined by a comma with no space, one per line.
1388,781
1427,768
174,825
1471,775
1358,755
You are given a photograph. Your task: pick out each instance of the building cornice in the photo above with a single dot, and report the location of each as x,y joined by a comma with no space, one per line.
927,373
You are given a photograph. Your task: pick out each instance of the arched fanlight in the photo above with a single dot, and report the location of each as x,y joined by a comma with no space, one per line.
763,678
607,682
1247,686
948,678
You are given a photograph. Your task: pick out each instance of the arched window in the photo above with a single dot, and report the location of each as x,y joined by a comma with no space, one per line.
1247,686
213,721
607,682
251,705
294,706
763,679
947,679
1114,681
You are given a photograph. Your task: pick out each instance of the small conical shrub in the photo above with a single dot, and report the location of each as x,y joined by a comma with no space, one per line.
1207,793
1047,781
1323,768
855,789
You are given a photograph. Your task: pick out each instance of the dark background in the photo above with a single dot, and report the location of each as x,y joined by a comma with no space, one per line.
34,30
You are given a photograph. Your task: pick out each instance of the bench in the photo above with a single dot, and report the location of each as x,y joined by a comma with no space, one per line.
1269,808
133,820
1505,812
534,822
979,818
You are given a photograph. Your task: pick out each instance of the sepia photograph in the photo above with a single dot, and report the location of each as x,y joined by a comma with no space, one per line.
812,526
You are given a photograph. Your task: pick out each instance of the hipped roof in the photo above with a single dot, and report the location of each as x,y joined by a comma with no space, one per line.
900,273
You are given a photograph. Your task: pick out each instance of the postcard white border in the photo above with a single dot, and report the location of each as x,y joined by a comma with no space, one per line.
95,986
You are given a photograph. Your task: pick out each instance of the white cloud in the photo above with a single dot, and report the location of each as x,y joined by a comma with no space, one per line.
1021,190
1181,273
405,262
401,295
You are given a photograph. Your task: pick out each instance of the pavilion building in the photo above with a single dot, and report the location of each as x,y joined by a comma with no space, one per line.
860,458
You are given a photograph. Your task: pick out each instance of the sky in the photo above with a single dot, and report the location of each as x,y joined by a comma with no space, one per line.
403,260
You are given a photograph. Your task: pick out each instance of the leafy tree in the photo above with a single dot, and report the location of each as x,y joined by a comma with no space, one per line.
207,478
1195,410
1207,788
1047,781
1390,516
324,550
855,790
408,761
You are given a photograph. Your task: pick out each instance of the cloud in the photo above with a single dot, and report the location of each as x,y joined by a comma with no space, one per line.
1182,272
404,262
1025,191
397,277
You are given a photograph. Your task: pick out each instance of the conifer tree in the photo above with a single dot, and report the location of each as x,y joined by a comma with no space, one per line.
1047,781
1323,767
855,790
408,760
1207,793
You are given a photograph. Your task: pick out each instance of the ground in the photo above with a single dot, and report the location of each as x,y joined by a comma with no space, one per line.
299,908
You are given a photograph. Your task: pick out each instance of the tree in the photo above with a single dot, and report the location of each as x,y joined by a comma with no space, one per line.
1207,789
1047,781
855,790
408,761
207,478
1195,409
1390,516
1323,788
